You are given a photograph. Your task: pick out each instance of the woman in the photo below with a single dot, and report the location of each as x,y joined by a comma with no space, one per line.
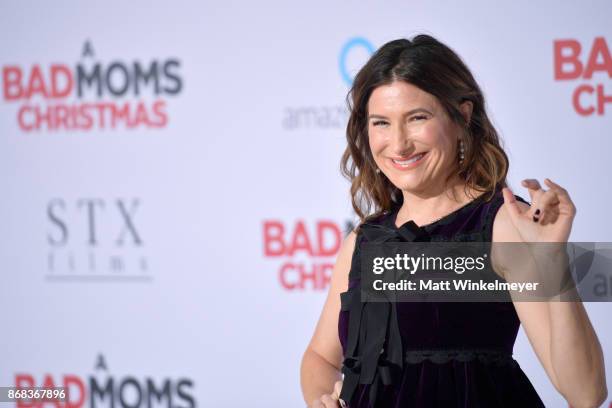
424,156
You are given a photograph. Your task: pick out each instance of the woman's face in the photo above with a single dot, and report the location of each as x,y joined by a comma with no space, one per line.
412,139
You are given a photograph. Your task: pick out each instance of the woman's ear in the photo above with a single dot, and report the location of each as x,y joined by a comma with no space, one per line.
466,110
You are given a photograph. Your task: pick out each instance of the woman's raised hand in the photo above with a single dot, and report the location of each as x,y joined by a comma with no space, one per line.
550,217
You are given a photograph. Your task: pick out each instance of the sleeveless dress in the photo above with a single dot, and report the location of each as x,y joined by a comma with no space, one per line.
444,354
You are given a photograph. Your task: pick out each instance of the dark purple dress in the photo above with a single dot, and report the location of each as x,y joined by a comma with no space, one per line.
431,354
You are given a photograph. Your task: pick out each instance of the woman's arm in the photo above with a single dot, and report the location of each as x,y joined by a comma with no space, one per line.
561,335
322,359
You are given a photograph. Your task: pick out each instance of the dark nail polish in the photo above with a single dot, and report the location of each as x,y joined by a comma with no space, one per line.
537,212
535,218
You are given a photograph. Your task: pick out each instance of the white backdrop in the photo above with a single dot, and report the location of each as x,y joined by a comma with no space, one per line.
187,246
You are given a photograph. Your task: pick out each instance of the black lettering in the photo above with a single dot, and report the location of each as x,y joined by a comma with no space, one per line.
83,78
185,396
173,77
95,390
87,50
146,76
130,381
158,394
57,221
124,76
128,224
91,204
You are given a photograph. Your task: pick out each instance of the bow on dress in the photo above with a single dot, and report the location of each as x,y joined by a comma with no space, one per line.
374,352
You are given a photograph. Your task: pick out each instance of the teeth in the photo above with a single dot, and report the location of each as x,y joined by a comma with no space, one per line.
407,162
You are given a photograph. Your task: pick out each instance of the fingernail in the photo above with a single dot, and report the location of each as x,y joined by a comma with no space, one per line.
537,212
535,218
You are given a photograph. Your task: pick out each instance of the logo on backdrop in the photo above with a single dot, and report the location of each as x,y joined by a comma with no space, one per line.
92,95
353,54
305,252
589,66
95,239
103,389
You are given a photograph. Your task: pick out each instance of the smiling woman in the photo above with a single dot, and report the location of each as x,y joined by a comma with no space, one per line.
426,164
403,95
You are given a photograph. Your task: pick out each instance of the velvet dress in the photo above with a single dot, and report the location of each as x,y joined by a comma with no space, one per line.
444,354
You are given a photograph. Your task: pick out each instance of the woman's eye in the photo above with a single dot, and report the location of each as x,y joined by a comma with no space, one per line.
419,117
379,123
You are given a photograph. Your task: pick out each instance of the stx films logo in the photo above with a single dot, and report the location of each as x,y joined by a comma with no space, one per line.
306,252
93,238
91,94
104,390
591,64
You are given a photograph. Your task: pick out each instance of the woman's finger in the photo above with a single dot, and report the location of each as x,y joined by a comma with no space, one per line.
565,201
534,189
550,216
513,208
545,207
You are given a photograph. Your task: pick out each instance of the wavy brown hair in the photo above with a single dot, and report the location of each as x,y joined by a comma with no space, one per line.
434,68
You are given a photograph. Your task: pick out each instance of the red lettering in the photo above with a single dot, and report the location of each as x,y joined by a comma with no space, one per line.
70,383
24,380
21,114
567,54
61,85
57,72
48,383
159,111
300,240
100,108
576,100
298,277
85,114
141,115
120,114
326,273
46,116
36,85
11,79
599,48
328,239
62,116
283,278
571,59
322,226
273,232
602,99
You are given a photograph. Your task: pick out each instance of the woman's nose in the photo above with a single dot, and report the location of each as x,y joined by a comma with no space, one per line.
401,142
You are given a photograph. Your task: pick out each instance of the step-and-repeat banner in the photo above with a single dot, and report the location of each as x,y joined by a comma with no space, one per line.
171,200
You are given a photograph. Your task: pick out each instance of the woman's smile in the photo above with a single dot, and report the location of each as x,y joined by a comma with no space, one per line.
409,162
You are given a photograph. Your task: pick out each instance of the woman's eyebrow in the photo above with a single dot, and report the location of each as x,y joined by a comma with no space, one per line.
410,112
